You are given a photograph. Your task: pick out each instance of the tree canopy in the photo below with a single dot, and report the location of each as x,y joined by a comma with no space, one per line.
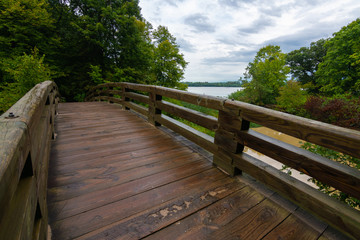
304,63
265,75
340,70
87,42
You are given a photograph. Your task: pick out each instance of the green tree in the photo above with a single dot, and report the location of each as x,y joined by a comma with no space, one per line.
340,70
292,98
304,63
109,34
264,76
25,72
24,24
169,63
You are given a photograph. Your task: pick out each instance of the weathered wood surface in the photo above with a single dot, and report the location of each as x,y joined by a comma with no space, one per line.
114,176
24,155
232,134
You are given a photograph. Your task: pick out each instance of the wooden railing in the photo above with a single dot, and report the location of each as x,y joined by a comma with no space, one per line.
26,130
232,133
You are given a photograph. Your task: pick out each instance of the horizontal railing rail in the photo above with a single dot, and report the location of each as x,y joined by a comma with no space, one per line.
26,130
232,134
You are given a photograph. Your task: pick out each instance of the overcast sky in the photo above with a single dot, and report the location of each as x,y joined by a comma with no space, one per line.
220,37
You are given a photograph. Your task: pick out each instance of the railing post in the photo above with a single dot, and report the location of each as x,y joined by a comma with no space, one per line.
123,97
153,110
110,95
225,135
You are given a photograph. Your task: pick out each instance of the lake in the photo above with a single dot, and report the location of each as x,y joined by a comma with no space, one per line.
214,91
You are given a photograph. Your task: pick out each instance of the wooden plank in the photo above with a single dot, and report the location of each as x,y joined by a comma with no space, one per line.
340,216
331,234
111,150
193,98
226,140
14,149
108,178
92,200
121,165
196,117
130,158
30,106
254,224
293,228
138,97
103,216
138,87
340,176
18,218
201,139
72,151
340,139
154,219
202,224
137,108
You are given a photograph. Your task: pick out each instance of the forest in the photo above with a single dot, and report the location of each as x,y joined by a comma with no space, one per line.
82,43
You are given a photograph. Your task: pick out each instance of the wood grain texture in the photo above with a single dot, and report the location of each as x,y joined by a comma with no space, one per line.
134,181
335,213
24,155
203,140
327,135
338,175
198,118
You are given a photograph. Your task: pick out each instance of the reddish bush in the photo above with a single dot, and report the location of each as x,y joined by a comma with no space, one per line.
343,111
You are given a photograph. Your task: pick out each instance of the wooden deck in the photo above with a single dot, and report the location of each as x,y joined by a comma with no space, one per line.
114,176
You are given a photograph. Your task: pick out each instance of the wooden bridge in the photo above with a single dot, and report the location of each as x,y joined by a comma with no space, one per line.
125,168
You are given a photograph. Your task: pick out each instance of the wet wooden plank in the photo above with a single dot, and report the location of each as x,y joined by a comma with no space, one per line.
92,200
105,215
254,224
119,177
202,224
163,215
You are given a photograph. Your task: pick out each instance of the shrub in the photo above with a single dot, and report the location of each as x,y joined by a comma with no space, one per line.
342,110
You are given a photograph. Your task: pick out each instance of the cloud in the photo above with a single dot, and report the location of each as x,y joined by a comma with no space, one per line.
234,3
200,23
257,26
302,38
186,45
234,57
173,2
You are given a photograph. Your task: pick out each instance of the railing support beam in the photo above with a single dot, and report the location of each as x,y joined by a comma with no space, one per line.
225,139
154,111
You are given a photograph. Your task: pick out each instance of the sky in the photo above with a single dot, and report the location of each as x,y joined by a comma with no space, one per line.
220,37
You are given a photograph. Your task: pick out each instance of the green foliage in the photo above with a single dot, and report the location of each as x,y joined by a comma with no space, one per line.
337,157
24,24
340,70
96,75
304,63
25,72
169,63
240,94
264,76
292,98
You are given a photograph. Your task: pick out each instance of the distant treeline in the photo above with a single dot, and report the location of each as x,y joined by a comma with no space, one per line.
214,84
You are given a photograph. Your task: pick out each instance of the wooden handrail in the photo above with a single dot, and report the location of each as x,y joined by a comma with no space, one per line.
232,133
26,130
